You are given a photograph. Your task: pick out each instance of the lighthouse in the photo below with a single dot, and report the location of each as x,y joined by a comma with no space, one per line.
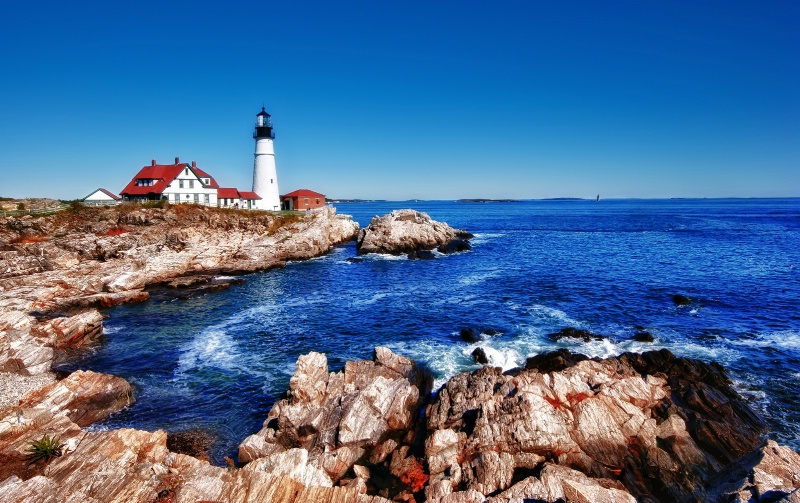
265,176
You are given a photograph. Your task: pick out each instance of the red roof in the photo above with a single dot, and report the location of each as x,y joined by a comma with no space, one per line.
304,193
202,174
162,175
227,193
230,193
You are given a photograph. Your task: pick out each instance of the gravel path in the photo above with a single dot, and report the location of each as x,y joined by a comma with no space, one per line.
15,386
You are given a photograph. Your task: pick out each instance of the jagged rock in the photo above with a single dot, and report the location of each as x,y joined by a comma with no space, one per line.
576,333
480,356
59,410
553,361
85,396
470,335
366,412
410,232
27,347
645,427
642,336
770,474
81,268
620,421
681,300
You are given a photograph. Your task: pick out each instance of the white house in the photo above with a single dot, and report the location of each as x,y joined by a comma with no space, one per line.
178,183
101,197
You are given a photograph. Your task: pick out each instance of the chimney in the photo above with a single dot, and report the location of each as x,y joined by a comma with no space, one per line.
153,162
177,160
194,164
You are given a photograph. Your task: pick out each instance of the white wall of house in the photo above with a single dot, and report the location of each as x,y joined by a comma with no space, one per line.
188,188
99,198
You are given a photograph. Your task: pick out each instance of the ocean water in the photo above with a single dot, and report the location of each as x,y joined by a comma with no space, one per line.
220,361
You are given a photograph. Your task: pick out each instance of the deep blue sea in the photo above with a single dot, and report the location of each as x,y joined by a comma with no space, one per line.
220,361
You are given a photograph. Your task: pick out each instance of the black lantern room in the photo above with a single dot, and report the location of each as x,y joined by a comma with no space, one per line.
263,125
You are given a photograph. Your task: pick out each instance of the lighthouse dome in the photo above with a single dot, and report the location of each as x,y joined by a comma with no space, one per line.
263,118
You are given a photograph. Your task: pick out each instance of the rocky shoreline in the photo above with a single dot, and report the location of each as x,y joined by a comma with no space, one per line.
639,427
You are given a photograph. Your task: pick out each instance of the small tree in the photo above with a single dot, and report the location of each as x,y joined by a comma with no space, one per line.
21,206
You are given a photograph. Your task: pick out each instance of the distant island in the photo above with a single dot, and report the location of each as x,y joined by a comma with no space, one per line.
487,200
356,200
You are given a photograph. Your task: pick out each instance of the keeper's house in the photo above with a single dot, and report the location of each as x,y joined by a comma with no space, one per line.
177,183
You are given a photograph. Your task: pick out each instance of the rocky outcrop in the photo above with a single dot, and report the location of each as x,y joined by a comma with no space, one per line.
128,465
358,426
28,346
652,426
75,262
410,232
648,427
102,257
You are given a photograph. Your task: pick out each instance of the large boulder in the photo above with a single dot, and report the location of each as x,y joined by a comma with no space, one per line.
410,232
647,426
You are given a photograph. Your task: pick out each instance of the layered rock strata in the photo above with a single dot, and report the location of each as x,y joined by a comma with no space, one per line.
649,427
410,232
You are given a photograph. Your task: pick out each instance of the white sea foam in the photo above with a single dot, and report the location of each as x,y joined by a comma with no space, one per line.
214,347
373,299
482,238
504,357
479,278
541,311
783,340
222,278
383,256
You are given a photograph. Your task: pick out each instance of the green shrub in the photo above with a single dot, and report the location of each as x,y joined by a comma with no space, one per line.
47,448
21,206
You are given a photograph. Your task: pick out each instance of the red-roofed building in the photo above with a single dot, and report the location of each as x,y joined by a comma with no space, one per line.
233,198
303,199
177,183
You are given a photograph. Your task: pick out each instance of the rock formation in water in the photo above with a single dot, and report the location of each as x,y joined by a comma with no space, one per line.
410,232
640,427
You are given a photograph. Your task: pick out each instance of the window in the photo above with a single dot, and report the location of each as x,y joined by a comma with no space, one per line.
186,171
317,200
197,198
180,183
191,184
306,201
205,198
271,180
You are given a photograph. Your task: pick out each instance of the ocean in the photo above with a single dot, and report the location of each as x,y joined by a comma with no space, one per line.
219,361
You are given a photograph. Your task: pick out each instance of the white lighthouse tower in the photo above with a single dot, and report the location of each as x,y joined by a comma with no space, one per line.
265,176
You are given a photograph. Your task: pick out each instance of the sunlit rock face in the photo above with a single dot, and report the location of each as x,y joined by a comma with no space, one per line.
410,232
638,427
650,425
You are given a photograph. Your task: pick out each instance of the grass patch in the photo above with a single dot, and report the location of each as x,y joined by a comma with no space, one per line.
45,449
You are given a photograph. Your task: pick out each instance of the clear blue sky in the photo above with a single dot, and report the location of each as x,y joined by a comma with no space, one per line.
407,99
